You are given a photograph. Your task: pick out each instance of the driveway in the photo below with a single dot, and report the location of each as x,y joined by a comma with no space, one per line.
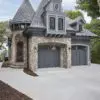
76,83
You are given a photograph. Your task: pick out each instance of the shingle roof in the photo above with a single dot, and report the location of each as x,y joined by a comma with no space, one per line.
24,14
77,19
68,27
86,32
37,21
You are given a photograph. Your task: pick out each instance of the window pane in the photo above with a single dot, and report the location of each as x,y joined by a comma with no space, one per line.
80,28
73,47
16,26
22,26
52,23
60,24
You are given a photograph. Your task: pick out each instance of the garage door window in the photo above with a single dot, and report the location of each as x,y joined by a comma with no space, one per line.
81,47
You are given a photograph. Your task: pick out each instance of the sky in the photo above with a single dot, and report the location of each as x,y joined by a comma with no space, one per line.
8,8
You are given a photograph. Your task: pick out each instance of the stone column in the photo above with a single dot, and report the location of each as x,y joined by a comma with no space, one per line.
88,55
33,55
62,57
69,60
68,56
65,57
13,49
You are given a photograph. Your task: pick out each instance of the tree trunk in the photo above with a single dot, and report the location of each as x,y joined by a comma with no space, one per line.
99,4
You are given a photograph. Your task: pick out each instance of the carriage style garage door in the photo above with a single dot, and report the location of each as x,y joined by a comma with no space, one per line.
79,55
48,57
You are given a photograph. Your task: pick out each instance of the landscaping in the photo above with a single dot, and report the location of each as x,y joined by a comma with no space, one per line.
9,93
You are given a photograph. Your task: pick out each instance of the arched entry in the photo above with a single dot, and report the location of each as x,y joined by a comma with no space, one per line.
19,52
79,55
49,55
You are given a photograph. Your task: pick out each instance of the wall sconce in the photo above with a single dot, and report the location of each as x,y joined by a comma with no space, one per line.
53,48
69,48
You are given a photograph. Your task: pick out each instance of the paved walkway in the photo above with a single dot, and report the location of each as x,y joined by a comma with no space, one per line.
76,83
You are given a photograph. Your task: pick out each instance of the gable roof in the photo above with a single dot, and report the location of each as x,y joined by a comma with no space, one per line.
86,32
37,21
80,18
24,14
68,27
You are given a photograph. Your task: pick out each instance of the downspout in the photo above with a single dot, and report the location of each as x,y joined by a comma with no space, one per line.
27,52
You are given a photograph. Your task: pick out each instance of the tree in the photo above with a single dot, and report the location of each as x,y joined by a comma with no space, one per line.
3,26
94,27
90,6
73,14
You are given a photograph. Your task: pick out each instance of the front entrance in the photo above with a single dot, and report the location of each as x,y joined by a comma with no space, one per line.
79,55
19,52
48,56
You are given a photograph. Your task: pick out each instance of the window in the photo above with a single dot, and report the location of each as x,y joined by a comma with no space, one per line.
22,26
16,26
60,24
19,53
56,7
19,26
52,23
80,28
74,47
81,47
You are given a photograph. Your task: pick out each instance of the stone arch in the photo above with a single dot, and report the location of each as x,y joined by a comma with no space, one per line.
59,44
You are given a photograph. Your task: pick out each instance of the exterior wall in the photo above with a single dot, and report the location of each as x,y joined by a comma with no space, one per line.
18,37
34,42
84,43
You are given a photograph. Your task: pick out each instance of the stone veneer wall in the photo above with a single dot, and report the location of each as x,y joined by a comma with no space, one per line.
33,50
18,37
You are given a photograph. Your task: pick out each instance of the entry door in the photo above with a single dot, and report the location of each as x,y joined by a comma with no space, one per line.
48,57
79,55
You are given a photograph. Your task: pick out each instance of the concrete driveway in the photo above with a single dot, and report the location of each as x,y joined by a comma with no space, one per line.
76,83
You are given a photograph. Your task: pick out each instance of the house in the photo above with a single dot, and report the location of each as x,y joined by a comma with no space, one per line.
47,38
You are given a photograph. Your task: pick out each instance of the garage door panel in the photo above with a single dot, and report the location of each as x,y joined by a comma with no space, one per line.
79,55
74,60
48,57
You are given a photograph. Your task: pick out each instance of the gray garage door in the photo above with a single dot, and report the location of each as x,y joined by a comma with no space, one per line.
48,57
79,55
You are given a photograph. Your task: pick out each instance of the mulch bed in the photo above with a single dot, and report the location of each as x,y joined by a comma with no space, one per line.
9,93
29,72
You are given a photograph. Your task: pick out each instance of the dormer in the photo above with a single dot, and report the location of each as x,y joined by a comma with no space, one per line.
55,18
78,24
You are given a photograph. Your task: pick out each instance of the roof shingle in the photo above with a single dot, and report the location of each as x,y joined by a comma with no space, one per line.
86,32
24,14
37,21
